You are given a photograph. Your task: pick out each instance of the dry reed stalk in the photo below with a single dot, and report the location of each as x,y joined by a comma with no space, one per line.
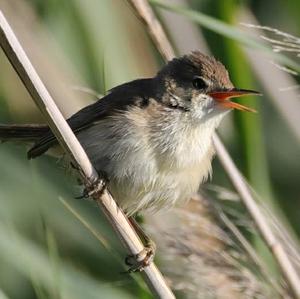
287,85
72,147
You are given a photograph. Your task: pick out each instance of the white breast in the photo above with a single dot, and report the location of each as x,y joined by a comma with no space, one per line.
152,162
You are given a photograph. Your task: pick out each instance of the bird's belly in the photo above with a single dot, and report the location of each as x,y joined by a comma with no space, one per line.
142,175
163,190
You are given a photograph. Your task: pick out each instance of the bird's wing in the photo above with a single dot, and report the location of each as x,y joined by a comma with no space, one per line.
119,99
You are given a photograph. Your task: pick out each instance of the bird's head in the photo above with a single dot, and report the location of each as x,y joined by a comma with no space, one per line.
201,85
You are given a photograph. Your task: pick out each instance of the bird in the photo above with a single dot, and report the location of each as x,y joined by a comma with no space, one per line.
151,137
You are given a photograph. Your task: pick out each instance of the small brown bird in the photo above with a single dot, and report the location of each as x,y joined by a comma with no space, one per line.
151,137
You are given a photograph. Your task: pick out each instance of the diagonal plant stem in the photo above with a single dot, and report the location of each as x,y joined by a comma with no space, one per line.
226,30
72,147
287,269
160,39
154,27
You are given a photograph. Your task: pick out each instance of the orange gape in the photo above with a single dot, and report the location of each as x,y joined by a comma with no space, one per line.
223,98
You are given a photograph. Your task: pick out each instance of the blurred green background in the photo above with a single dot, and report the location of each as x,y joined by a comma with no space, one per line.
45,250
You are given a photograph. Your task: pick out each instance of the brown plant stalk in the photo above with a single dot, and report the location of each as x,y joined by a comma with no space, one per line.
72,147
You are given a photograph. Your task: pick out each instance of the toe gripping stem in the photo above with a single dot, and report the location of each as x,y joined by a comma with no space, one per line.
138,262
95,188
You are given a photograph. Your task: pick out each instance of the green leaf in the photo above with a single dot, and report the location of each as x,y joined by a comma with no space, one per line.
228,31
32,261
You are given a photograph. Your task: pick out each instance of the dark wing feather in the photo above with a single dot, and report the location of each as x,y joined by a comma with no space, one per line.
22,132
119,99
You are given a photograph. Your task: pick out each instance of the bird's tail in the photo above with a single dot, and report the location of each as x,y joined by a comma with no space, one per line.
26,132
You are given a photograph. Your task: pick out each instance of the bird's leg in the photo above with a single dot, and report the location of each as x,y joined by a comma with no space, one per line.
143,259
96,188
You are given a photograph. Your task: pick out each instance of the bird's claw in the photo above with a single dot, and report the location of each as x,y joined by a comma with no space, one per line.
138,262
97,187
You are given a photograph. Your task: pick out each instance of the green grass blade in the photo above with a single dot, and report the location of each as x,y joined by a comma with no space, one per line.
227,30
3,295
32,261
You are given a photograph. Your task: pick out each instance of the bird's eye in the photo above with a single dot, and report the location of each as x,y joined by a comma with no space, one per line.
199,83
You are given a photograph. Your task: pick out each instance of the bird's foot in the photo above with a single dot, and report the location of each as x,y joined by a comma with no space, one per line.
143,259
138,262
97,187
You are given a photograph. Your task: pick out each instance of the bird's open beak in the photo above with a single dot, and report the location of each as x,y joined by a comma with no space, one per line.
223,98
